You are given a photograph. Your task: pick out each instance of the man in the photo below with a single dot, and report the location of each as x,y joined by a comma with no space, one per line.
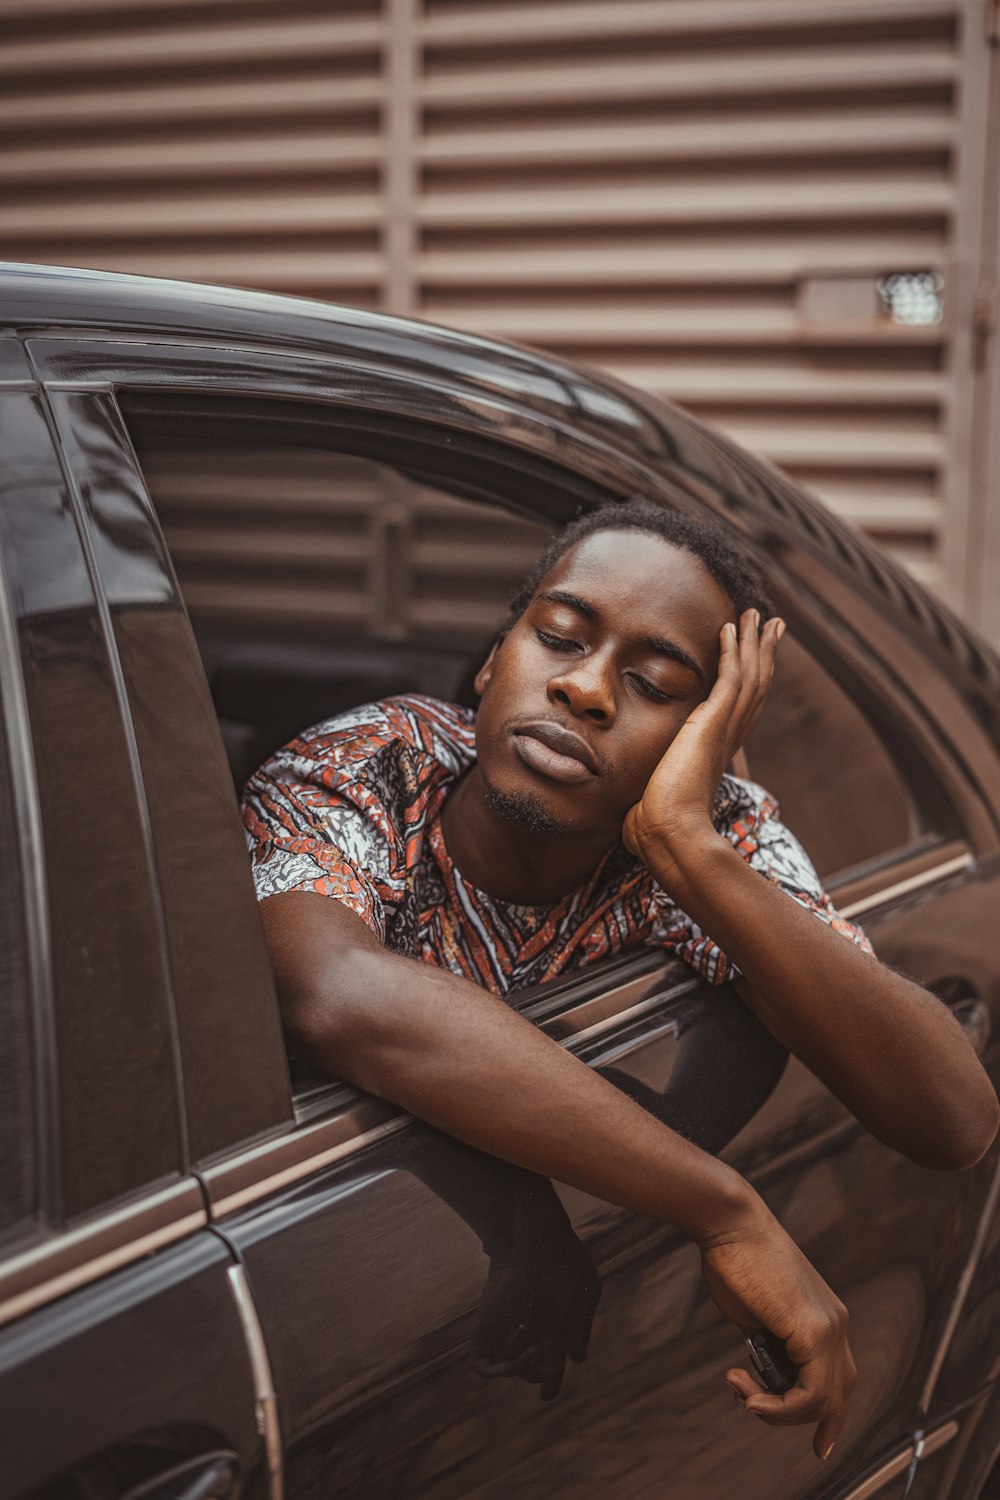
580,813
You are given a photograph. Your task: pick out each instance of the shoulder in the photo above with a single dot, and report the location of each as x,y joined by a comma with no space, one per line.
743,802
428,727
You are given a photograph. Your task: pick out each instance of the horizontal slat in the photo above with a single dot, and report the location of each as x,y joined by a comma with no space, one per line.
224,156
917,515
842,489
190,216
694,203
785,443
729,138
696,262
346,503
289,548
189,103
545,22
293,604
292,271
277,40
83,11
719,326
788,453
470,560
458,615
712,77
715,385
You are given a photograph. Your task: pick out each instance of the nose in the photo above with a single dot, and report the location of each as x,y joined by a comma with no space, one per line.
584,687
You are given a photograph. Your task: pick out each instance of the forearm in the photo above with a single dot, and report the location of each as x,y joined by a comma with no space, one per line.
462,1060
888,1048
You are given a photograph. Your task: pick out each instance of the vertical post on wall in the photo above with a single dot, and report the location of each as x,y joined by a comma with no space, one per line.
400,134
971,543
986,395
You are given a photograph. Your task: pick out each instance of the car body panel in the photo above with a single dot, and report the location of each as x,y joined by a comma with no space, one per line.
121,1380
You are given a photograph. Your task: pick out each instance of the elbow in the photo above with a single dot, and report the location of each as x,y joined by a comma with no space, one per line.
961,1140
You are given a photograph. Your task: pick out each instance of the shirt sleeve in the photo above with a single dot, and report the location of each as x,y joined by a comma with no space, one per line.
317,818
747,815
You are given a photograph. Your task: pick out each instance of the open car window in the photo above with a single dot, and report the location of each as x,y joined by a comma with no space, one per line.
325,565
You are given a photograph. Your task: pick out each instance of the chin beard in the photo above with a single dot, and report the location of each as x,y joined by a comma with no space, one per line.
523,809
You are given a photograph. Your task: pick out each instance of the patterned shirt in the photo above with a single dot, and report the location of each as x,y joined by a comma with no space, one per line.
352,809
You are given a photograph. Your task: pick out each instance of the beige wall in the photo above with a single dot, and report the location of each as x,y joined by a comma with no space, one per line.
700,195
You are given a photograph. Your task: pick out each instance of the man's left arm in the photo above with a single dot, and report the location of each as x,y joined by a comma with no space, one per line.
890,1050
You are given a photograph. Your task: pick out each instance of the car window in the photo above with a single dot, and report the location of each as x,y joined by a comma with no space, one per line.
233,1079
118,1119
280,543
319,578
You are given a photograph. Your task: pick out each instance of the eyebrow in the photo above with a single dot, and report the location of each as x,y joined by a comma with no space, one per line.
661,644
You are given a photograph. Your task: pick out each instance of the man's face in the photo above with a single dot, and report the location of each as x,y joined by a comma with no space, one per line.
581,699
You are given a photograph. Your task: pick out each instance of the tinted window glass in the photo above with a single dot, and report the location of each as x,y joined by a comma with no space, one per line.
837,785
234,1080
118,1116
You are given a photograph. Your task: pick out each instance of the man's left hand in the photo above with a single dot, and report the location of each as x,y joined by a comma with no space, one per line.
677,802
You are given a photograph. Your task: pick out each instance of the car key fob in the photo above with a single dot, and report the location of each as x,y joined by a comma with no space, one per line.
771,1361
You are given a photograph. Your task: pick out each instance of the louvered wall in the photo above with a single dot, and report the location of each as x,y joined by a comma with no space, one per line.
697,194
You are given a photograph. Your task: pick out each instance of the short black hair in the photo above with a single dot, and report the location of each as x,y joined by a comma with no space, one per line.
732,571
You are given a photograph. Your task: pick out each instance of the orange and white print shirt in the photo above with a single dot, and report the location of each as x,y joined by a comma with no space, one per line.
351,809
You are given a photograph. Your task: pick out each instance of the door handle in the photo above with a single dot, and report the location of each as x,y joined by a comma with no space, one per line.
962,999
974,1019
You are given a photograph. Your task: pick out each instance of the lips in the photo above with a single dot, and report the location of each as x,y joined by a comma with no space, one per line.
555,752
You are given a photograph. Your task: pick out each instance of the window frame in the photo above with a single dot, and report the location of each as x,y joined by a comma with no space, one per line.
29,861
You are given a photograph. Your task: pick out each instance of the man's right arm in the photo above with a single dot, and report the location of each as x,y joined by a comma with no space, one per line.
461,1059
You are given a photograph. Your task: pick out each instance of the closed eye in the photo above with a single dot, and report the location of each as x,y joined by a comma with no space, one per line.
556,642
647,689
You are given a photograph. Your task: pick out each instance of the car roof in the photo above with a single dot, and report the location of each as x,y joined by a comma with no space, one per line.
58,297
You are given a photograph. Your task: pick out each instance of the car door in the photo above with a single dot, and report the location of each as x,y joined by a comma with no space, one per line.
371,1246
124,1364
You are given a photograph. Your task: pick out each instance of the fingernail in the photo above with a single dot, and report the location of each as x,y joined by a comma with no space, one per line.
826,1453
756,617
781,629
729,628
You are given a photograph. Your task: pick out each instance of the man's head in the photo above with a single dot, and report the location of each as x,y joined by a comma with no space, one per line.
738,579
609,645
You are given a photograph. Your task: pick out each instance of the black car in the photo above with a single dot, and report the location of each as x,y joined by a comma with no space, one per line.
224,516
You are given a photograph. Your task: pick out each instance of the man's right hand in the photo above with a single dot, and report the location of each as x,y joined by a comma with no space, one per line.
758,1278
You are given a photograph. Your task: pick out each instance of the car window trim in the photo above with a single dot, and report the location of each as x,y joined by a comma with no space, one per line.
239,1180
900,873
35,908
70,1259
918,1448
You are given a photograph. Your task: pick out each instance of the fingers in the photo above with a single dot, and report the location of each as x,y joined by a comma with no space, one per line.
820,1395
746,667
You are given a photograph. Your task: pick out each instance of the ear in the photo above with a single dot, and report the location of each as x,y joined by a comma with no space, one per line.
482,678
